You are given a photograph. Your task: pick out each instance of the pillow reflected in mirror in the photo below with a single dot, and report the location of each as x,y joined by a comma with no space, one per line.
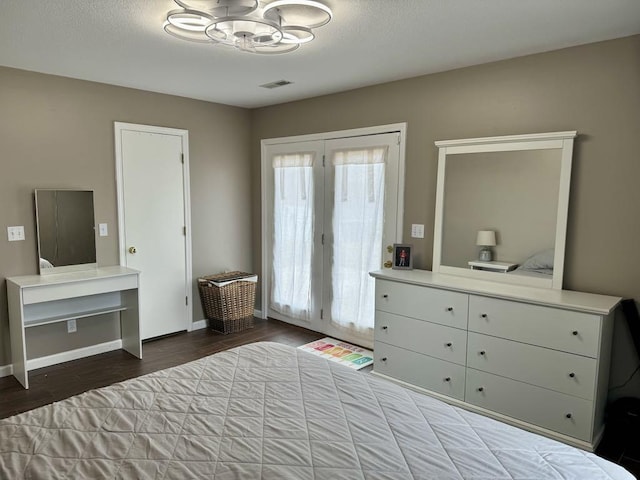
44,263
540,262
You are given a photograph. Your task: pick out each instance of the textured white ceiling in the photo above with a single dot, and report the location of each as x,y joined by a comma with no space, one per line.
121,42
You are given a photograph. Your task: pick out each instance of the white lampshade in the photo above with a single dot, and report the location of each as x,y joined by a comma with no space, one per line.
486,238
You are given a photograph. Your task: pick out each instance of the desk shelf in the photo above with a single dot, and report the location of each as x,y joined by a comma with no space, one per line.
72,316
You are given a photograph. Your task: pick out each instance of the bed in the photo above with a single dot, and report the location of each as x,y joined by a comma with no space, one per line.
271,411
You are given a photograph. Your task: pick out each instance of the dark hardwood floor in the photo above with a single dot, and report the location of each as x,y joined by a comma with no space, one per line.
51,384
57,382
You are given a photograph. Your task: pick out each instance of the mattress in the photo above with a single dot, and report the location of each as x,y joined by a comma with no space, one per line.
271,411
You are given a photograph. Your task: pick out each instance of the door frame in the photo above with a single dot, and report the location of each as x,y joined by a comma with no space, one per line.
119,128
400,128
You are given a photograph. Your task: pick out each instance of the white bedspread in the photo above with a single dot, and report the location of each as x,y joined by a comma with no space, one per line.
271,411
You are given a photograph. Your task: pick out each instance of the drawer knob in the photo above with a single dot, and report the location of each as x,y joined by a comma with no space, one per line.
568,415
448,344
483,315
481,389
383,359
385,296
447,379
449,309
482,352
572,374
384,327
575,332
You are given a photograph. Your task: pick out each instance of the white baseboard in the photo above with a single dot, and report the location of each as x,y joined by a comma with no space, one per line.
73,354
6,370
258,313
200,324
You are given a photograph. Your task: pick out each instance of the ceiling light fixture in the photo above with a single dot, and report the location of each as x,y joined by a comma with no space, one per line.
278,26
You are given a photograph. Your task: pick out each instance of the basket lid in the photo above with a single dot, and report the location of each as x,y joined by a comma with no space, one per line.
228,276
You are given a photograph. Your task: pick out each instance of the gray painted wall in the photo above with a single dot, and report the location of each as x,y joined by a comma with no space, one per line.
592,89
57,132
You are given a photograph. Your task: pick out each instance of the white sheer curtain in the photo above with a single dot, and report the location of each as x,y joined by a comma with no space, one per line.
293,213
358,216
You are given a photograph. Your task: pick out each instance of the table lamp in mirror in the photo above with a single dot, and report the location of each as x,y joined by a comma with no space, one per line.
485,240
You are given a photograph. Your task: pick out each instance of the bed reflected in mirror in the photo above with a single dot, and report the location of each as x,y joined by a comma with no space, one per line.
66,230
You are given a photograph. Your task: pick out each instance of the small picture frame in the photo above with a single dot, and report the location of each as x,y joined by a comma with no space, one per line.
402,256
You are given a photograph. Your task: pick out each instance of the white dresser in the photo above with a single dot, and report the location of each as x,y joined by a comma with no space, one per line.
42,299
536,358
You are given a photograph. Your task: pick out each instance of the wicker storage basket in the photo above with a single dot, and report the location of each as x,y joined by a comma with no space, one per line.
229,307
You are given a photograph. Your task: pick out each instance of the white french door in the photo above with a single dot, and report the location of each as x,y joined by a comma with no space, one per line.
332,208
360,221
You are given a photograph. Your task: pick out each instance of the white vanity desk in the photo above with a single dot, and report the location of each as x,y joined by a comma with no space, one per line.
533,357
42,299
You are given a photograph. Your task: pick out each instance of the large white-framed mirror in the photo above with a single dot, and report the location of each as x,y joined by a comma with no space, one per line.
501,208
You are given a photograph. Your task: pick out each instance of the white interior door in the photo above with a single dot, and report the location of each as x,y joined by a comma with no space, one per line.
153,220
318,255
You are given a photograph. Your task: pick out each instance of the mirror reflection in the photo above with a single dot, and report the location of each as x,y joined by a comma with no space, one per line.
66,229
500,206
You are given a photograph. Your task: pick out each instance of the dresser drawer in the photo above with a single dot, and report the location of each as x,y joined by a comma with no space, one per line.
548,409
560,371
438,306
419,370
550,327
440,341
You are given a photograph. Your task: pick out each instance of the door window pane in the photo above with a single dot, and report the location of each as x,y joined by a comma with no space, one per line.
358,216
292,234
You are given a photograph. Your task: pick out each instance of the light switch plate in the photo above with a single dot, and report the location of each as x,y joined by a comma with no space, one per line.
72,327
15,233
104,231
417,231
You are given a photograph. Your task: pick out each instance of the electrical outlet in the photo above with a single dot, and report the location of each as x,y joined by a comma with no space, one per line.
104,231
15,233
417,231
71,326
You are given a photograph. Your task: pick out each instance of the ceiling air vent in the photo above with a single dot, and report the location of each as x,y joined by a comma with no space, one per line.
276,84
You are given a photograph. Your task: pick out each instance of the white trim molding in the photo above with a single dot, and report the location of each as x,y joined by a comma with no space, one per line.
6,370
46,361
199,325
67,356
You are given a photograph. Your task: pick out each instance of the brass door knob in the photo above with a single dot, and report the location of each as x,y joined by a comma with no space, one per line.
132,250
387,264
389,248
